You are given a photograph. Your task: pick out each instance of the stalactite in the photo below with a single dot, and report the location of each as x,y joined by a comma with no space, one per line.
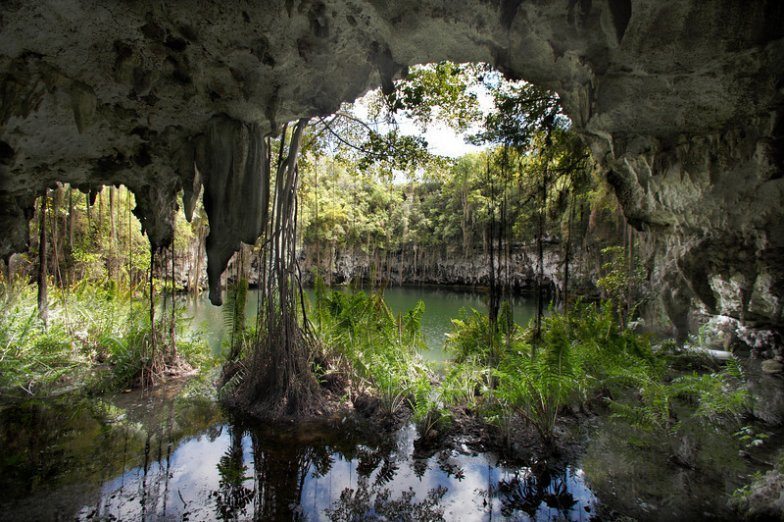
231,157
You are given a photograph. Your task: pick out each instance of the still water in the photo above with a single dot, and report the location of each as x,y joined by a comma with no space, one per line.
172,454
441,306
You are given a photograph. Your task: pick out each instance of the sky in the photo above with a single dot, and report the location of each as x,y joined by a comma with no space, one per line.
441,139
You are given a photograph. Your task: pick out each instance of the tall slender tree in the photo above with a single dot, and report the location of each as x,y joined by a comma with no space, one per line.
43,294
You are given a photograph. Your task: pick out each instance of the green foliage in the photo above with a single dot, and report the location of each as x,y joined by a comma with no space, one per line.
437,91
381,349
353,201
411,326
537,384
623,277
33,357
665,406
394,150
95,335
521,111
750,437
131,352
431,413
234,319
472,338
582,354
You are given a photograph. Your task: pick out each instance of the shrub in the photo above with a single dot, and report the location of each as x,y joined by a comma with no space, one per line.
381,349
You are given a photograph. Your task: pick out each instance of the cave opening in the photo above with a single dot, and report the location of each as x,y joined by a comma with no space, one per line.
571,283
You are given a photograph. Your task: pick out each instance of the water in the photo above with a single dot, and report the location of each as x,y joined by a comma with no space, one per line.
173,456
441,306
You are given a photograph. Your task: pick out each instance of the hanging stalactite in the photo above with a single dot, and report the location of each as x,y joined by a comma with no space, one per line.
278,380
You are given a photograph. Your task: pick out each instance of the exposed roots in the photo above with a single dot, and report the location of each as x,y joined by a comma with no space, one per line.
276,380
161,366
280,381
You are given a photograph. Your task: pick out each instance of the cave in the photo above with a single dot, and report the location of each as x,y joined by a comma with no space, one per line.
177,107
680,103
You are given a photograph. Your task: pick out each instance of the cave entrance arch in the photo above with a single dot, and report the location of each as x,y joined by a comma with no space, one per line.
680,102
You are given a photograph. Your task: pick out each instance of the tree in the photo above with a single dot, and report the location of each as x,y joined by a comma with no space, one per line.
276,379
43,299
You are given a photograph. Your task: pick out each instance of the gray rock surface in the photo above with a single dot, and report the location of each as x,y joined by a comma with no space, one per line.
771,366
681,102
764,499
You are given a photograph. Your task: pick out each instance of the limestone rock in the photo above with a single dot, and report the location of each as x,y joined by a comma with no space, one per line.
772,366
232,159
680,101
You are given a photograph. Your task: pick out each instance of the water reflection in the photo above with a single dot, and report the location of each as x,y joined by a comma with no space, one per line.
165,458
441,306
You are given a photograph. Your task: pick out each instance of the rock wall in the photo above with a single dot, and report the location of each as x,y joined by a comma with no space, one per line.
398,269
681,101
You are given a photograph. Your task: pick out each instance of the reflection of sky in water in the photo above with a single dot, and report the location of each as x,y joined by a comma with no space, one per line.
190,480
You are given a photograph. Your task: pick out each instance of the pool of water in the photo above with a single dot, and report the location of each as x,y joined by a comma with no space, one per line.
441,306
173,456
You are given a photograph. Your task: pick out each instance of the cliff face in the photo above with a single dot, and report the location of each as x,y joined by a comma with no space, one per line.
680,101
404,268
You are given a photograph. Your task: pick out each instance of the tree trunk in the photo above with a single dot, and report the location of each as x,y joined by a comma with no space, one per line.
540,257
172,323
113,262
280,381
89,213
71,225
152,298
55,232
100,212
315,220
70,219
568,254
494,301
43,300
130,241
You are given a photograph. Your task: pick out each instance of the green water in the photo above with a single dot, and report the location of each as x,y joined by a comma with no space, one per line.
171,453
441,306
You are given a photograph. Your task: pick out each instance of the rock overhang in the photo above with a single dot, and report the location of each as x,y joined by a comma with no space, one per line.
680,101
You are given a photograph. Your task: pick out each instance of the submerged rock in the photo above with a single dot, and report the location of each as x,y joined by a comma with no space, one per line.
764,499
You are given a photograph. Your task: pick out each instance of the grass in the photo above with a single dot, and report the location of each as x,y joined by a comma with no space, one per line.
95,336
373,348
584,357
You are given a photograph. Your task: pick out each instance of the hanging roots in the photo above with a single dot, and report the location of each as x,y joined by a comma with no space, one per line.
277,378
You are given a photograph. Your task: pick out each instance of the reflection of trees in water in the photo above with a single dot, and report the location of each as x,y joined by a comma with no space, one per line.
150,434
527,491
280,475
369,502
281,467
160,439
232,498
